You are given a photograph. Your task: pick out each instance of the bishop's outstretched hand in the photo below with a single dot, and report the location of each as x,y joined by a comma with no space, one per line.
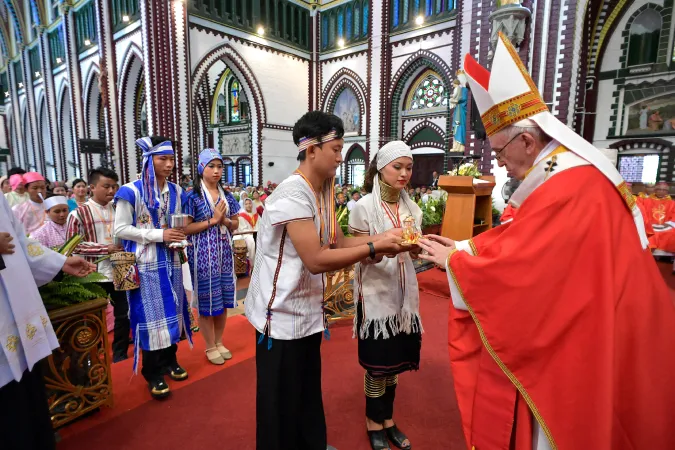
436,248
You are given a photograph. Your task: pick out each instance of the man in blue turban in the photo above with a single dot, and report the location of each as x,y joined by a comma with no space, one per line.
158,309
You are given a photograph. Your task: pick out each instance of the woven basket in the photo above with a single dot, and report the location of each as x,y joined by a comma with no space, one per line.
125,272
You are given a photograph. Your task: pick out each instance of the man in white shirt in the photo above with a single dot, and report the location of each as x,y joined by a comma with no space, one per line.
298,241
356,196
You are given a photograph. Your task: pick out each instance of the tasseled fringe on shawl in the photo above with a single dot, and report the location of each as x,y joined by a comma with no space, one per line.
403,322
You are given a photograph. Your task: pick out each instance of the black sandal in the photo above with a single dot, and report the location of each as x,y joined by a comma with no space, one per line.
378,440
397,437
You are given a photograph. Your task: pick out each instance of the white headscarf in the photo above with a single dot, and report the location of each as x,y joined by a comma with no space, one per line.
388,153
55,200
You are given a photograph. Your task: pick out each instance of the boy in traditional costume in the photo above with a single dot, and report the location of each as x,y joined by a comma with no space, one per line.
298,240
387,322
561,327
94,221
32,213
53,233
158,309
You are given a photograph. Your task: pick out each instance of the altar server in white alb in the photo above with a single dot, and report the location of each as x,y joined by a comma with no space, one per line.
298,240
26,334
387,322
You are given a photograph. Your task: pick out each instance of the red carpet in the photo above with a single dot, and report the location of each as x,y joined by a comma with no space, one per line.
215,407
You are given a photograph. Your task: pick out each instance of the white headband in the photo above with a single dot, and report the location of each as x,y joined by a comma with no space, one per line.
392,151
56,200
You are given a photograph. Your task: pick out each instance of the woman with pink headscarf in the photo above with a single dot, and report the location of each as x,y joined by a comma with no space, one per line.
18,194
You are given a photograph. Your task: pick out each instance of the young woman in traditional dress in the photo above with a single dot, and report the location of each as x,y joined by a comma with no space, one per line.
79,194
52,234
32,213
214,214
387,322
248,223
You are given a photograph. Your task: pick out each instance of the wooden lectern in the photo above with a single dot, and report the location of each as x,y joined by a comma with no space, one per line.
468,211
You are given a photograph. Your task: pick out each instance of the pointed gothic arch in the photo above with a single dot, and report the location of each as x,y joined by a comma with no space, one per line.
226,54
405,76
130,86
342,80
69,158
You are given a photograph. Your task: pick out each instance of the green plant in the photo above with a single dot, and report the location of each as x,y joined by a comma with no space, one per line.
466,170
432,211
71,290
343,219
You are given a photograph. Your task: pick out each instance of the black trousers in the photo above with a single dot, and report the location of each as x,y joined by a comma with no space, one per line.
380,396
26,424
289,403
157,363
120,344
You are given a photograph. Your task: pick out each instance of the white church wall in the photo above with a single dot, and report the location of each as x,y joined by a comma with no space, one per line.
442,45
278,148
357,64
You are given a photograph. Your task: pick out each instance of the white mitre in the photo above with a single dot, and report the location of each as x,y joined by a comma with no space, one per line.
512,98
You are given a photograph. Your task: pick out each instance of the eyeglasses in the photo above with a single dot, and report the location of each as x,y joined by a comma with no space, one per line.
499,151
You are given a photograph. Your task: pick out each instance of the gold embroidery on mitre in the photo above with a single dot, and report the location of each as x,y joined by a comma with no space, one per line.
627,195
44,321
35,250
511,111
12,342
30,331
515,108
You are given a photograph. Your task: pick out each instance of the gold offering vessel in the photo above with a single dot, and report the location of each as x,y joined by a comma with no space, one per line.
411,234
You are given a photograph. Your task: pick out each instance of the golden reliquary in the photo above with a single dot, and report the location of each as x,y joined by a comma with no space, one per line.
411,234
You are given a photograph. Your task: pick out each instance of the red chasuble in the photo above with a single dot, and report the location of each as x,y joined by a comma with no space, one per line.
569,322
657,211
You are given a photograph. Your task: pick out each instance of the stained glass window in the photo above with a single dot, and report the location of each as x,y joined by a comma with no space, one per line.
365,18
416,7
234,102
429,93
341,23
348,18
395,13
357,20
405,11
430,8
324,31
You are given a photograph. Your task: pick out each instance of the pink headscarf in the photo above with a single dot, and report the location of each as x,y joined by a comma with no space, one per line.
30,177
16,180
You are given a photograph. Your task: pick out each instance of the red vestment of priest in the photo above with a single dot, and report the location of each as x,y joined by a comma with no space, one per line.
569,322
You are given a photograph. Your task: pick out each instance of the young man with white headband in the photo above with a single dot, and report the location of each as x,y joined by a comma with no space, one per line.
298,241
53,233
387,322
556,315
158,309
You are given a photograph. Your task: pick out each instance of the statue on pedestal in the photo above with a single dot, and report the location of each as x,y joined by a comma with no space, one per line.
458,102
510,17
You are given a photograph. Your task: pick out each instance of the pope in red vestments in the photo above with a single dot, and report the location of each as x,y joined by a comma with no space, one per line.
561,328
